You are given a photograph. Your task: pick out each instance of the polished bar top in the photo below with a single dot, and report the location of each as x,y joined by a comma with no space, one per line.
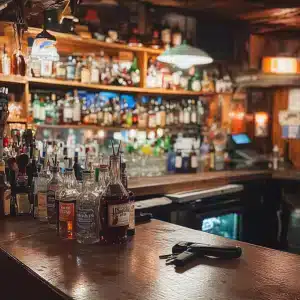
134,271
143,186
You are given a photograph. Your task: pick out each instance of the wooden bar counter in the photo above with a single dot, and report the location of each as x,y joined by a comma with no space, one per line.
48,268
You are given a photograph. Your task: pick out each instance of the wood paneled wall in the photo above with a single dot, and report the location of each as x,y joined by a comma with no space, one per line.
280,102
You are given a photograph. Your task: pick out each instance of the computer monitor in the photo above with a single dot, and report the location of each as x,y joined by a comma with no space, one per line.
240,141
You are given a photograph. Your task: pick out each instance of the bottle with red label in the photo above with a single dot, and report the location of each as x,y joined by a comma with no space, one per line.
67,206
114,207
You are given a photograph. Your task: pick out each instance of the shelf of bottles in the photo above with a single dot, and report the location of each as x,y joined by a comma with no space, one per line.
112,111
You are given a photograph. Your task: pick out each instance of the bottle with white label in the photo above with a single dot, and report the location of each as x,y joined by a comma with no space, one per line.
178,161
41,186
114,207
193,161
76,109
87,212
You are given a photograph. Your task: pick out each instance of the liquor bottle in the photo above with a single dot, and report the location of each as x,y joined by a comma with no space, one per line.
78,69
67,206
5,189
76,109
155,41
32,173
77,168
42,112
55,184
71,66
87,212
18,65
49,110
95,73
195,82
36,109
193,161
151,115
60,70
212,157
6,62
166,36
60,110
193,112
176,36
135,72
178,161
41,188
186,113
85,72
68,110
114,207
124,180
134,39
22,191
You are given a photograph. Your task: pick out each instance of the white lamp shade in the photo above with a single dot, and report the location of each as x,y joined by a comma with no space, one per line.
185,56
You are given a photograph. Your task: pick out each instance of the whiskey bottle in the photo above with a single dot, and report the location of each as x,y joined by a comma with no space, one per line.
67,206
114,207
41,188
55,184
87,212
22,191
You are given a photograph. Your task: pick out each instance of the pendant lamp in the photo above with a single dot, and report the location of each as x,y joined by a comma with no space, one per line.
185,56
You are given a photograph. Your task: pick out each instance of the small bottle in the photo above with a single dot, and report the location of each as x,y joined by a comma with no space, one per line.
6,62
87,212
178,161
114,207
67,206
212,157
55,184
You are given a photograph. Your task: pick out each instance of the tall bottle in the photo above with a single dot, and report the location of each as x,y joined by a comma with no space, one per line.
55,184
5,189
114,207
6,62
22,191
124,180
76,108
87,212
67,206
41,199
212,157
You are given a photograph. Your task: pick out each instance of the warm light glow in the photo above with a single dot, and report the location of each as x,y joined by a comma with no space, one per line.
280,65
261,118
101,133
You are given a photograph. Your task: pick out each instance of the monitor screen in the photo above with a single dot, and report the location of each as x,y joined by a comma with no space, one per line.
241,139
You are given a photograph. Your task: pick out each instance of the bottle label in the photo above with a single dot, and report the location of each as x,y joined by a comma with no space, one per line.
178,162
95,76
70,72
166,36
85,219
186,117
177,39
132,216
7,199
194,117
68,113
77,113
66,211
194,162
46,68
42,204
23,203
118,215
212,161
196,86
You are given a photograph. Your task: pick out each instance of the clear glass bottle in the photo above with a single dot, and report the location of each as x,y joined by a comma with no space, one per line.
87,212
76,108
55,184
41,207
67,206
114,207
68,111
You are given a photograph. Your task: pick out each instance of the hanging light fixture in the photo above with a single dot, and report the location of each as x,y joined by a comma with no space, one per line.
185,56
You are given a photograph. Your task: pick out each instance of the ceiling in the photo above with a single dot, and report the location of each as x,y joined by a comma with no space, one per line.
262,15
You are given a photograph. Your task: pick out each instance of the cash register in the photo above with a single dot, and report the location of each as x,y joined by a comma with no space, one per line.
243,154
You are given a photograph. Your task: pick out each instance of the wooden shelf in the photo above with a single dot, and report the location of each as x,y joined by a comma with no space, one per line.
13,79
116,128
99,87
82,43
20,120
